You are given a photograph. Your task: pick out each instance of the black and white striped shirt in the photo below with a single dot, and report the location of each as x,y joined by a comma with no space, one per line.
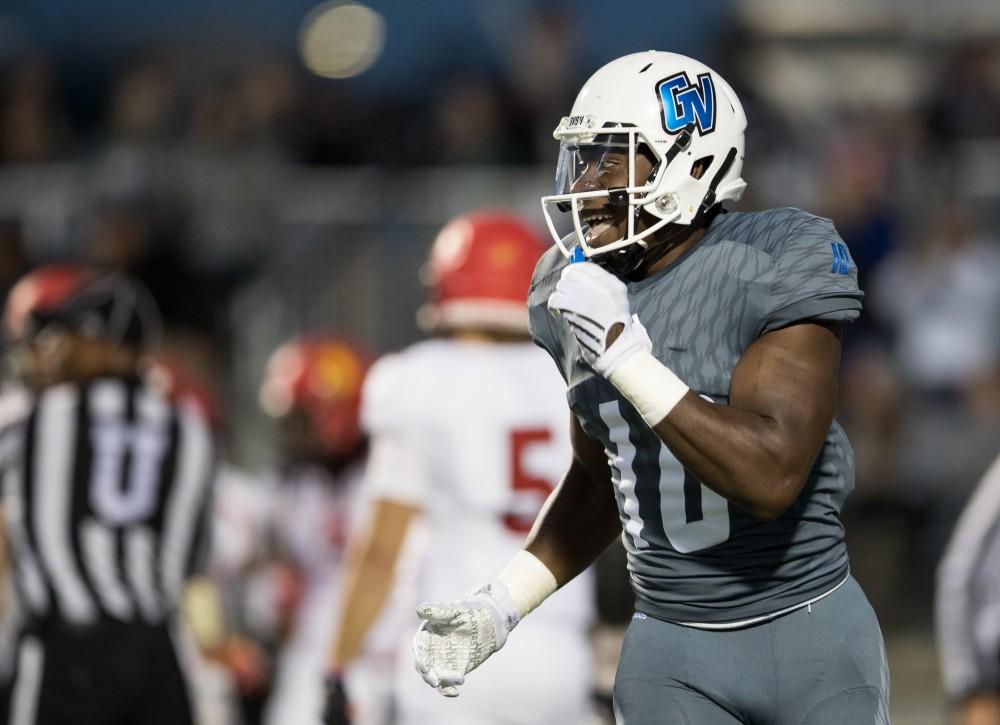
105,490
967,607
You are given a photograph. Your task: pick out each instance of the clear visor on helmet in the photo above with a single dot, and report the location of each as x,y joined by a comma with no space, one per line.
600,173
590,164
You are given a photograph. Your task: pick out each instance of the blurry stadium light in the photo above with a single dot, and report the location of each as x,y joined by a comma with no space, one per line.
341,40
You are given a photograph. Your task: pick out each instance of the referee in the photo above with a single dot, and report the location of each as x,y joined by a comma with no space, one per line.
105,482
967,608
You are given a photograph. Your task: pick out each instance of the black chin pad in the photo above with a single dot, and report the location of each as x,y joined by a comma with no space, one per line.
618,197
621,262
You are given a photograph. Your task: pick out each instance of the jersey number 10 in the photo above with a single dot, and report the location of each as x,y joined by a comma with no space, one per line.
693,516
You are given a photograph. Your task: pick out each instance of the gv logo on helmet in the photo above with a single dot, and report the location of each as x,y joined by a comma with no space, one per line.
684,102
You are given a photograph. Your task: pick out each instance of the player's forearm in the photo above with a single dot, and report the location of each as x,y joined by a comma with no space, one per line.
753,460
365,597
578,522
370,572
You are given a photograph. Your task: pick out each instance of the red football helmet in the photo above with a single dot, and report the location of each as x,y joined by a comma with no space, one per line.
40,293
479,273
320,377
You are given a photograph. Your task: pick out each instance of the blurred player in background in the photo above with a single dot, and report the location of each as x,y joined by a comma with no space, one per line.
281,546
968,608
106,484
701,353
468,436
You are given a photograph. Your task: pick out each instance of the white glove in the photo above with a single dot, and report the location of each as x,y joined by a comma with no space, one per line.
592,301
456,637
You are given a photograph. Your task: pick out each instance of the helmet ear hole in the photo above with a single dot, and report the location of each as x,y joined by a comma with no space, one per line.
700,166
643,149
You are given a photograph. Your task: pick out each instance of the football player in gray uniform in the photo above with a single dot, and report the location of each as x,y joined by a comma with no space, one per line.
700,350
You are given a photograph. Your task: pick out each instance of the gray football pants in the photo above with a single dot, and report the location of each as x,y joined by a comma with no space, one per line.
822,665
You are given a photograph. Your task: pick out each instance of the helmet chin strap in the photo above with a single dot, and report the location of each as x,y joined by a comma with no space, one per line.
633,261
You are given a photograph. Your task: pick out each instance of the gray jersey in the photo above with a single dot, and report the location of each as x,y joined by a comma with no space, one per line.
693,556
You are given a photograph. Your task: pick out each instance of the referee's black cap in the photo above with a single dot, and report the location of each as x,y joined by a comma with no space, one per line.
110,306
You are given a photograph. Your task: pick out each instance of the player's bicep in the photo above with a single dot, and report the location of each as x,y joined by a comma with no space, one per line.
790,377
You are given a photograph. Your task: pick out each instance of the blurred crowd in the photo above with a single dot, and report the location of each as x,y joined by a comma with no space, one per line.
220,187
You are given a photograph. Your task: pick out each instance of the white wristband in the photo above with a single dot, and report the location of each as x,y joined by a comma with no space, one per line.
649,385
528,580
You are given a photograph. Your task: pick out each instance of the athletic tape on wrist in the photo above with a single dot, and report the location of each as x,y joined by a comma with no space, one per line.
528,580
649,385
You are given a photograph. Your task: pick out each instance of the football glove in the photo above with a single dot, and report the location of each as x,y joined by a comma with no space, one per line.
336,705
456,637
593,301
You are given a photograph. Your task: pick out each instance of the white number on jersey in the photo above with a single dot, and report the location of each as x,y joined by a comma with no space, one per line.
121,503
685,536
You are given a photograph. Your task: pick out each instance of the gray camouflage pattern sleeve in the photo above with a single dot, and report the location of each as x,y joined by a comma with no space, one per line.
814,277
543,327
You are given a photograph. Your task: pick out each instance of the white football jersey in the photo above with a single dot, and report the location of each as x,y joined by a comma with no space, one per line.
476,435
308,518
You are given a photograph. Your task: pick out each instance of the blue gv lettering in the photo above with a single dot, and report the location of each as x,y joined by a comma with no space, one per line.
685,103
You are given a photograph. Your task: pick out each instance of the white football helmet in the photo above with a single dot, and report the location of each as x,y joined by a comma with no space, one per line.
679,109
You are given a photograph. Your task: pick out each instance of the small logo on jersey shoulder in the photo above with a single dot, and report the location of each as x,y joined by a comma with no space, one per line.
841,258
639,615
684,102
